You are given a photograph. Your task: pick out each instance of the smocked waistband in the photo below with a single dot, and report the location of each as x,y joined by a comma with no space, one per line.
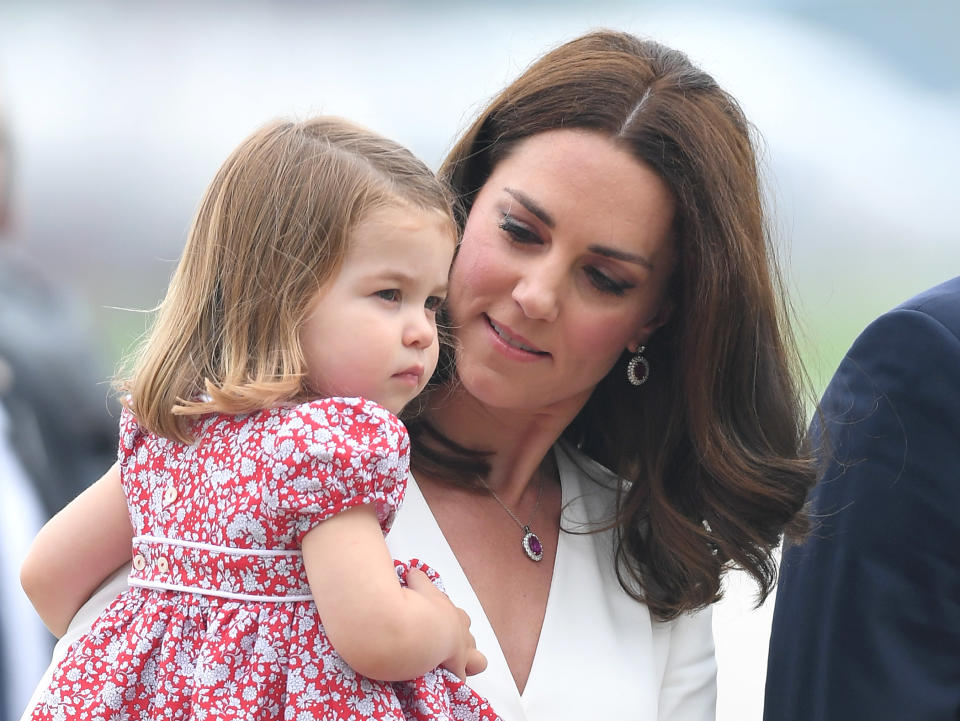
243,574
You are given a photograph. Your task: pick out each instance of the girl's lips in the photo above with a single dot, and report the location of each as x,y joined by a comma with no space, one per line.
513,341
410,375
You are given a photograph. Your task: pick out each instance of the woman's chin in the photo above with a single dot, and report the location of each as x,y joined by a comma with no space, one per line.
502,392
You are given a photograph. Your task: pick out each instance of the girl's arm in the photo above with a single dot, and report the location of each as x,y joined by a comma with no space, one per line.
76,550
383,630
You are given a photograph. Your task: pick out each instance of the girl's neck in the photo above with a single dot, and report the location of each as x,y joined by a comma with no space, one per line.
519,440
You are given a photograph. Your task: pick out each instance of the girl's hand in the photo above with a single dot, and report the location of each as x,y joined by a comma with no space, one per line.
465,660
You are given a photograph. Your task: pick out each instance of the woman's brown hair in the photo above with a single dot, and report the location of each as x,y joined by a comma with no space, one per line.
272,228
711,446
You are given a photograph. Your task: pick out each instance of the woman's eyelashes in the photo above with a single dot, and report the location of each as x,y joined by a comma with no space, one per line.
520,234
604,283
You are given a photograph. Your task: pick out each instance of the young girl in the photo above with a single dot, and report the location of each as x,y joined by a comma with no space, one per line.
255,496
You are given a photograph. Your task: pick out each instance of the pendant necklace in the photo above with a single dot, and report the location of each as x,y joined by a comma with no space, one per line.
530,542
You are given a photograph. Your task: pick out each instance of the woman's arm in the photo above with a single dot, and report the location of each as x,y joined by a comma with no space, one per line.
76,550
383,630
688,691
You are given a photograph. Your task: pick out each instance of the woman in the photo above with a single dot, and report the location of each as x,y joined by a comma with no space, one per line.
614,307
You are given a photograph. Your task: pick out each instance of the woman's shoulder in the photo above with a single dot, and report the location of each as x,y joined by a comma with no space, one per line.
586,467
590,490
582,474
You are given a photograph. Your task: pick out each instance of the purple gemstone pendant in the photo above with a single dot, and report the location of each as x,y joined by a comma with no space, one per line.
531,544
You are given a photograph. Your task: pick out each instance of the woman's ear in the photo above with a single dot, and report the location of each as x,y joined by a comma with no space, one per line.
659,319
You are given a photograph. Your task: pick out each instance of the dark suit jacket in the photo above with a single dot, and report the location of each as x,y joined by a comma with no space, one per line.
51,386
867,618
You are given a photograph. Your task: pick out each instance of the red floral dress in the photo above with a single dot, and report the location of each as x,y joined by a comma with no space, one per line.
219,622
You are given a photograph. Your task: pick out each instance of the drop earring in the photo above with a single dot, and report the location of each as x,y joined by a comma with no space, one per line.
638,360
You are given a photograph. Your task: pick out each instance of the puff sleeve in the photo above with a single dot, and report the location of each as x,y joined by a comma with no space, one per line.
330,455
130,432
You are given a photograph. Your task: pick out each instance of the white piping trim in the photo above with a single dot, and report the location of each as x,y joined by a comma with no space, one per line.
219,549
213,592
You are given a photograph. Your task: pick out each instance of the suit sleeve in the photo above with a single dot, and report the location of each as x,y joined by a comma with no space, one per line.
867,617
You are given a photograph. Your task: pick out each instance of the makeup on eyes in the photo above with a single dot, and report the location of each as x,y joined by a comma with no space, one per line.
508,222
602,281
531,205
517,231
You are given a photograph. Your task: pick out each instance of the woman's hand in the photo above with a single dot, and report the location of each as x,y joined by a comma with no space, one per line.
465,660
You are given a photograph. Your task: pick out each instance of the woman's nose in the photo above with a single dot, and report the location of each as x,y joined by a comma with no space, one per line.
419,330
537,293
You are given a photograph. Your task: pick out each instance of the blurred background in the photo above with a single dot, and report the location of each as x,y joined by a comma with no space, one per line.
118,114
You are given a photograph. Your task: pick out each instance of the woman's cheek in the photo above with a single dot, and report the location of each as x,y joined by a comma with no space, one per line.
603,338
477,270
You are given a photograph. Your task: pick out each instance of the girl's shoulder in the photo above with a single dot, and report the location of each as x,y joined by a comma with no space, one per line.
317,426
312,428
344,416
331,454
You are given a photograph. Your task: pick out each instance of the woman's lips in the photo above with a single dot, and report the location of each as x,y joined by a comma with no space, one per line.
513,340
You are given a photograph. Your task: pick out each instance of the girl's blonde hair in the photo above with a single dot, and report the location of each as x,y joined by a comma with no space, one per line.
272,228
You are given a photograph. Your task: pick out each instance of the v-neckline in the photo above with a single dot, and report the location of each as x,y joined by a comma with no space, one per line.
498,676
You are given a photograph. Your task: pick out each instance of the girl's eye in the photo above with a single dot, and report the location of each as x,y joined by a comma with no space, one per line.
518,233
604,283
390,294
433,303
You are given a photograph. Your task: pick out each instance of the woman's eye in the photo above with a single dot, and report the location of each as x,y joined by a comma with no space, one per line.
604,283
518,233
433,303
391,294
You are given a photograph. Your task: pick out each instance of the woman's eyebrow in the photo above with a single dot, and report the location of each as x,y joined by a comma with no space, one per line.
621,255
530,204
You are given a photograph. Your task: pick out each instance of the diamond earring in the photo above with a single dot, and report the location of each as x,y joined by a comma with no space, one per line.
638,360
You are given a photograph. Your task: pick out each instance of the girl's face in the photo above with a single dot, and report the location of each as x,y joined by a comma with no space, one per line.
372,330
564,264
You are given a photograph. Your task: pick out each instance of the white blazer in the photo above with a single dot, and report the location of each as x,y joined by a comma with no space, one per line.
600,654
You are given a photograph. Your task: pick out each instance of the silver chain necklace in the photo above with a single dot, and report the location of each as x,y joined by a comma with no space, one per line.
530,542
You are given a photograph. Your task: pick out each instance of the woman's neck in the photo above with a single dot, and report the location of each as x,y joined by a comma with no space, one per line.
519,440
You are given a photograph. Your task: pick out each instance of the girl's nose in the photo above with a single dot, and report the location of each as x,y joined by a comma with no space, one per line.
419,331
536,293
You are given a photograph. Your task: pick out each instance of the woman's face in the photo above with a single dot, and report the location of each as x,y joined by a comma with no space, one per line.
564,264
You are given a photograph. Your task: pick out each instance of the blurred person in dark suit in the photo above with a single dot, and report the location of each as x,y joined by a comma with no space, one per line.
867,618
56,434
